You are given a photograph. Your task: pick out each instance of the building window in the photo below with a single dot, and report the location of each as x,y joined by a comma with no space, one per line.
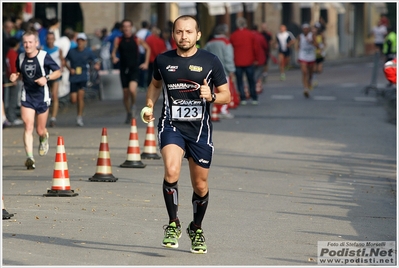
324,15
305,15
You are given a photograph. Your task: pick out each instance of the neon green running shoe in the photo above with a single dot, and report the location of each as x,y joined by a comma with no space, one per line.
172,235
197,238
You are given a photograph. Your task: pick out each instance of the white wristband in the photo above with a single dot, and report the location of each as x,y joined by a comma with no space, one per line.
143,111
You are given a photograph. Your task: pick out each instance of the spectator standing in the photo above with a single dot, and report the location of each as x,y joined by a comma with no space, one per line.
243,41
143,33
15,89
307,57
129,66
157,46
56,54
220,46
269,40
285,39
34,66
80,59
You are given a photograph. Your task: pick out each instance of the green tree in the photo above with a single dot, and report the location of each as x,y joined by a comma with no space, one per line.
12,10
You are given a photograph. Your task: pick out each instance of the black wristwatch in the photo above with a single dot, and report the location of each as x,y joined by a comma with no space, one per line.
213,98
48,77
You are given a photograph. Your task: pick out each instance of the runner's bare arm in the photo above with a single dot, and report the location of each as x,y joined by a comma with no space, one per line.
153,93
223,95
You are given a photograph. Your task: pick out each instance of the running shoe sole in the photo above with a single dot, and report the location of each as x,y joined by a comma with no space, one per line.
30,163
44,146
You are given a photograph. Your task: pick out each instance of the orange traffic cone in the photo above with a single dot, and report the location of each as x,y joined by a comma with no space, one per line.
104,170
133,150
150,147
6,215
215,115
234,97
61,185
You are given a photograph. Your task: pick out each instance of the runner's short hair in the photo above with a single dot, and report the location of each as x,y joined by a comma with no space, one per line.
185,17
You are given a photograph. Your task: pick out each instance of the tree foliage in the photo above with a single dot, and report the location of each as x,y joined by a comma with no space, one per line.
12,10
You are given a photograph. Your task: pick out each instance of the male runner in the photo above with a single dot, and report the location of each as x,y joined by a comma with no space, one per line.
34,67
186,77
127,45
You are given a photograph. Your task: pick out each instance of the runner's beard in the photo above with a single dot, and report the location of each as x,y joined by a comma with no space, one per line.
185,49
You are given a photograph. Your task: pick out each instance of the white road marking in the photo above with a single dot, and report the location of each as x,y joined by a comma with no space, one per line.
325,98
366,99
282,97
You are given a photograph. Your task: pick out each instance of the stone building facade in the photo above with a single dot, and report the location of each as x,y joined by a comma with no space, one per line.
347,24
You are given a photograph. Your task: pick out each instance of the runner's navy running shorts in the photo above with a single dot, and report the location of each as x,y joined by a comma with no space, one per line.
201,152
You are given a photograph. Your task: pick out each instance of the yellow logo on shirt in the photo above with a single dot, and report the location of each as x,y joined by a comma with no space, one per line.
194,68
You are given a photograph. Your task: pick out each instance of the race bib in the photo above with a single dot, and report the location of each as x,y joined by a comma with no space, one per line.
78,70
186,113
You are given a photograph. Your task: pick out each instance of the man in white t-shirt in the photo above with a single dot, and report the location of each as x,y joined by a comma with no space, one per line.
378,32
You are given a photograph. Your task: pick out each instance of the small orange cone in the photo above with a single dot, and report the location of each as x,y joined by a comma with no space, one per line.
234,97
61,185
215,115
6,215
150,146
133,150
104,170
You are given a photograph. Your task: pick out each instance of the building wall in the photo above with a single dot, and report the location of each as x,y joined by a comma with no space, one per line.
100,15
346,33
138,12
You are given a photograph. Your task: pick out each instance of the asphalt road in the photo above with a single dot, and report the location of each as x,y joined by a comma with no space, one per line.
286,174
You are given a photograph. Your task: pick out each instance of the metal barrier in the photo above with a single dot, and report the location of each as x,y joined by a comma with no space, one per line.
110,85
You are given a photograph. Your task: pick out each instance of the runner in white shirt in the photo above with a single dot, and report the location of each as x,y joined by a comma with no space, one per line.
379,32
307,57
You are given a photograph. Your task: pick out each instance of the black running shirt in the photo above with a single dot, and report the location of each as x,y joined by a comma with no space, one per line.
129,51
182,77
